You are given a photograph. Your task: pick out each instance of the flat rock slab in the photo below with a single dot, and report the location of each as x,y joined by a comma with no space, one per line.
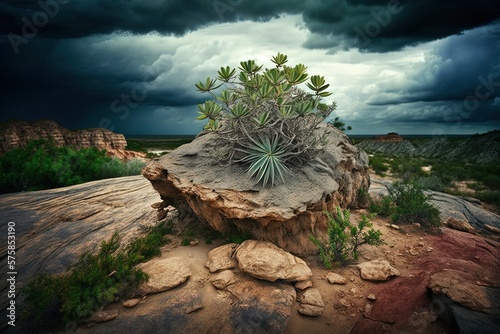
54,227
164,274
266,261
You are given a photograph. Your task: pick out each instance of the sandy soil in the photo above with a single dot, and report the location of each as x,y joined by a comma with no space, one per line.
344,304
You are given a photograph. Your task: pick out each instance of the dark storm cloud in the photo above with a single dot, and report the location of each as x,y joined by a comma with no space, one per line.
80,82
461,73
380,26
369,25
94,60
83,18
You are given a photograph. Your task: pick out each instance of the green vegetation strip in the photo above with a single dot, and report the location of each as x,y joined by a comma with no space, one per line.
43,165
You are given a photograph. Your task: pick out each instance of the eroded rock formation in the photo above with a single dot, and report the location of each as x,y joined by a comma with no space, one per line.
17,133
190,179
483,148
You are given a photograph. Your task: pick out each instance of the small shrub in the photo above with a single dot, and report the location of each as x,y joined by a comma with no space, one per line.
490,197
363,198
147,247
136,145
412,205
382,206
379,165
432,182
239,237
186,241
345,238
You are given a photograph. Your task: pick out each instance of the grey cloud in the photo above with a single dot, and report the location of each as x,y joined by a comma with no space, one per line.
369,25
462,68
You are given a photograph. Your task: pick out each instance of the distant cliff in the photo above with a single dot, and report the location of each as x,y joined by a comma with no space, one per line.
17,133
483,148
390,137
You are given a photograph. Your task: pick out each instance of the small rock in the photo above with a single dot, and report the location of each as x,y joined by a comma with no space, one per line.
344,303
460,225
223,279
157,205
194,242
394,226
372,297
421,244
161,214
493,229
302,285
413,252
368,309
429,249
103,316
354,290
131,302
417,225
311,303
377,270
221,258
335,278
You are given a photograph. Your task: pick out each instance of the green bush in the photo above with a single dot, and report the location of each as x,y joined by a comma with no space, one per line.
265,119
432,182
490,197
379,165
363,198
136,145
337,123
95,279
345,238
412,205
43,165
115,167
383,206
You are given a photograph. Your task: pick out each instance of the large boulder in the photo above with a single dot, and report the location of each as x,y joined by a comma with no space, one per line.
190,179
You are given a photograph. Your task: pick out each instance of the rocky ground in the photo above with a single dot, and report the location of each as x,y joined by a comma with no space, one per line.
440,281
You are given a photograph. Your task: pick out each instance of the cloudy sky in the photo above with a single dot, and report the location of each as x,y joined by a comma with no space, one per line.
414,67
